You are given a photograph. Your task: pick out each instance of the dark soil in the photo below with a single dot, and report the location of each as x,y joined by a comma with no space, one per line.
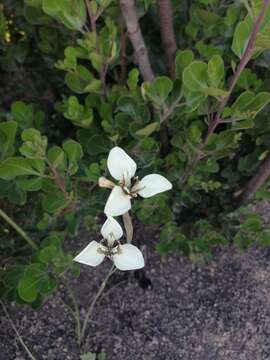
173,310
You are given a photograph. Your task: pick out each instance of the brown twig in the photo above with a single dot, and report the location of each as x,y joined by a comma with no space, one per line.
93,22
167,34
59,181
12,324
93,302
129,13
123,58
243,62
255,182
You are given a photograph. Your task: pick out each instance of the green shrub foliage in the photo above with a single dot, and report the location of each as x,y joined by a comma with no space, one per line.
71,89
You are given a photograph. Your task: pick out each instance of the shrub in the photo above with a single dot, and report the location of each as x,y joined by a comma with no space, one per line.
79,78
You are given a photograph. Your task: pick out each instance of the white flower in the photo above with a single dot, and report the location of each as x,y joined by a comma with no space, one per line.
125,257
123,169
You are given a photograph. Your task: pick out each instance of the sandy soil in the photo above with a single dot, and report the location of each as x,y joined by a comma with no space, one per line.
173,310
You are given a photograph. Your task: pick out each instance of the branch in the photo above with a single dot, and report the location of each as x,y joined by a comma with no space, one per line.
255,182
93,21
31,356
135,35
167,34
243,62
93,302
18,229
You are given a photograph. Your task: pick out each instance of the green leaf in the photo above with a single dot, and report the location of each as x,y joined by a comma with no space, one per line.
23,114
16,195
80,80
158,91
74,153
147,130
93,172
195,76
240,38
253,223
208,18
34,146
98,144
182,60
18,166
57,158
215,92
34,184
215,71
137,111
88,356
133,78
79,115
8,131
193,100
54,202
71,13
248,105
48,254
27,289
29,284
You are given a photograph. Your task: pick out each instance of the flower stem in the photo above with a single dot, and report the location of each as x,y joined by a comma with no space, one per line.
93,302
18,229
75,312
128,226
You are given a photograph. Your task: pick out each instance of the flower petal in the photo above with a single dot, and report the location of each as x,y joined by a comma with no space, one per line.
128,258
111,226
120,164
151,185
90,255
118,202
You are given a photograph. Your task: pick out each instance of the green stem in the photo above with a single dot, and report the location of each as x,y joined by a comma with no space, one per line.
18,229
97,296
75,312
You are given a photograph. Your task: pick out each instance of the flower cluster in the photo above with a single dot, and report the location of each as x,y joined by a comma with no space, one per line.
122,168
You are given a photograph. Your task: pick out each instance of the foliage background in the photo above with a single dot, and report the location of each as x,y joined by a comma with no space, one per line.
72,88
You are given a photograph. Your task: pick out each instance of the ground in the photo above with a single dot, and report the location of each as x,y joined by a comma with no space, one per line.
175,310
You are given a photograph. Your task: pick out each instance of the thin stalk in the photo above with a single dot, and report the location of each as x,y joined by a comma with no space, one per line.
18,229
256,182
93,303
128,226
31,356
167,112
75,312
59,181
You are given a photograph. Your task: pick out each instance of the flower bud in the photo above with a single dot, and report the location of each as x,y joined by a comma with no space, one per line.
105,183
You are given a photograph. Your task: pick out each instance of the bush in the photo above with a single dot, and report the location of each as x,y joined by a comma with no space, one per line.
78,79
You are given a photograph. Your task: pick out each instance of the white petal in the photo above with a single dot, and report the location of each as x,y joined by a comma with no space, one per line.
118,202
120,164
90,255
129,258
151,185
111,226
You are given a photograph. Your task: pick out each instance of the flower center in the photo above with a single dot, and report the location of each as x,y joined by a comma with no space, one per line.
108,249
129,186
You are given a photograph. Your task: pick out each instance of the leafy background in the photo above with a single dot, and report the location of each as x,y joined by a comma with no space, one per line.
72,89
